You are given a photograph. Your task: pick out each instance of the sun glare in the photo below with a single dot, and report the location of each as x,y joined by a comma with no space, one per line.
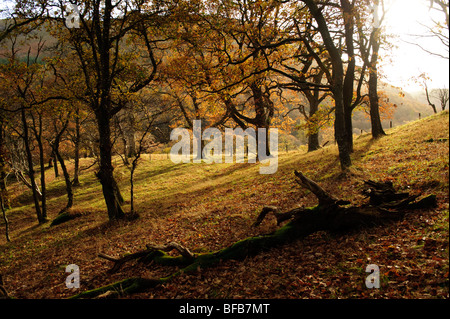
407,21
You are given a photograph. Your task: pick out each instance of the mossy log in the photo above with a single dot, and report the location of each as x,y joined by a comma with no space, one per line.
65,216
331,214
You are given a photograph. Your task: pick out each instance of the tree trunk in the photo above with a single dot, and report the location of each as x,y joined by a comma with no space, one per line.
37,130
131,139
375,120
31,172
349,128
55,147
349,79
340,132
313,137
433,106
3,167
76,181
123,137
263,116
337,86
55,164
133,169
67,181
3,190
42,169
313,142
111,192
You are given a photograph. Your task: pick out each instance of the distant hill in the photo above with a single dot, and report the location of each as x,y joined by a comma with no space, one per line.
408,107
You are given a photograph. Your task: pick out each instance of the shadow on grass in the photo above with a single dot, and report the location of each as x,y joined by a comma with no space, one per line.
144,173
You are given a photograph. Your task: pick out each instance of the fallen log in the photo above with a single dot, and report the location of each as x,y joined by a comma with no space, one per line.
331,214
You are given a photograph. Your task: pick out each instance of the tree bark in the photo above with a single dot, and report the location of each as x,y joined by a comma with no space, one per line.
31,171
66,179
76,181
3,190
54,161
349,79
313,142
337,85
375,120
111,192
313,137
38,135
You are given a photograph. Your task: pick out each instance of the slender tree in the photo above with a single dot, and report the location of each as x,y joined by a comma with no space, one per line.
111,72
369,52
336,83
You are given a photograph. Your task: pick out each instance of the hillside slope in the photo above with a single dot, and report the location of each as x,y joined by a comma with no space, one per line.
209,206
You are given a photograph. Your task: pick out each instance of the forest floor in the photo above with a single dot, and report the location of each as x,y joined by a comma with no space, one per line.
206,207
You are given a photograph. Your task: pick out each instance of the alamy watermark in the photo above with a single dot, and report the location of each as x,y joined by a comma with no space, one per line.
73,280
260,143
73,18
373,280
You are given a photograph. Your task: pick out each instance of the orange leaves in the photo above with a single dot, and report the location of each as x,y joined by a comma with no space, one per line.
386,107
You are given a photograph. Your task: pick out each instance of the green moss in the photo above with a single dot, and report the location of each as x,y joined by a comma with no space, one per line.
64,217
164,259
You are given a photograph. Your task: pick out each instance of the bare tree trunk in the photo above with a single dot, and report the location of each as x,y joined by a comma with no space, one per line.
55,148
55,164
313,142
375,120
349,78
2,203
340,133
337,89
313,137
123,137
31,172
67,181
37,130
111,192
3,190
433,106
130,132
42,168
76,181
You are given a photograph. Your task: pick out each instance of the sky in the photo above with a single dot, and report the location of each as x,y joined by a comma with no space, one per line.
401,64
407,61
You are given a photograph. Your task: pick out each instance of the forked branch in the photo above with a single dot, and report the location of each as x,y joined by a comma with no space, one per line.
323,197
118,262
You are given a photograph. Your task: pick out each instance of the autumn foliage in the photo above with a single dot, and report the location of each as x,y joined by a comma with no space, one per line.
86,115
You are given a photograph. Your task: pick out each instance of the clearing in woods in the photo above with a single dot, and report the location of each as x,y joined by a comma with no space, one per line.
206,207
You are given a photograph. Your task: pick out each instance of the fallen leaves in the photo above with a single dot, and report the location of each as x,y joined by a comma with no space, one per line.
412,254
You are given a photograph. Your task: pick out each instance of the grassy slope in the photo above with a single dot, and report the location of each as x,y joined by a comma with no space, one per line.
207,207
